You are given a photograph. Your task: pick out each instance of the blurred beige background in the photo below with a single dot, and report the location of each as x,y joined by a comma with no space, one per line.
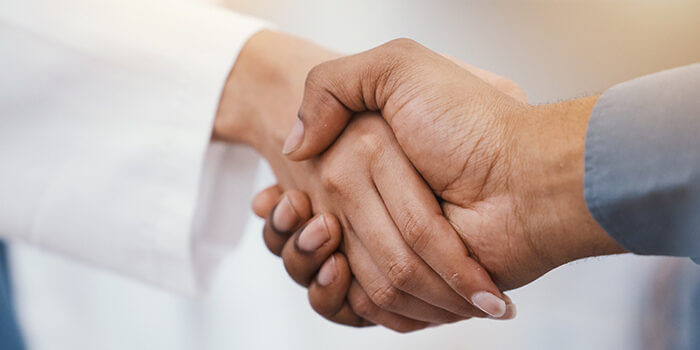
555,50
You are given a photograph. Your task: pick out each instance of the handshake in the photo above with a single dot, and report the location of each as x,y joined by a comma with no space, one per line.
413,190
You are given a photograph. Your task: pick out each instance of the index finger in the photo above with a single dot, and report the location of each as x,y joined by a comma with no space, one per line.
427,232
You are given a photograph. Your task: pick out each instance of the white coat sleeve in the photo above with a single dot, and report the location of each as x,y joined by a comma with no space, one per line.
106,112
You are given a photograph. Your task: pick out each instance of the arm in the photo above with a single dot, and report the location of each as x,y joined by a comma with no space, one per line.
107,113
642,180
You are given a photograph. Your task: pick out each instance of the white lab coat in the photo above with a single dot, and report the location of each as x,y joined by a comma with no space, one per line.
106,110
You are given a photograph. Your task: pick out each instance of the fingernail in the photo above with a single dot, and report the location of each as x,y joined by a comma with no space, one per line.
294,138
313,235
327,273
489,304
284,218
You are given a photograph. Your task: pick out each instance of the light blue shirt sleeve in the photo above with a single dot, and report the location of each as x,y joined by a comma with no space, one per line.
642,177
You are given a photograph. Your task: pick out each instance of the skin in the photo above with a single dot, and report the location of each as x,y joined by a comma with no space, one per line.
355,180
509,175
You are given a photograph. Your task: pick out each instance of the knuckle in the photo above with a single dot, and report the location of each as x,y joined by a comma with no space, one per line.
385,297
402,44
404,50
333,179
315,76
371,138
416,231
370,142
400,52
401,274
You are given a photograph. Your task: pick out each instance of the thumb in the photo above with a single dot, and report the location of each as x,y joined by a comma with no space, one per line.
338,89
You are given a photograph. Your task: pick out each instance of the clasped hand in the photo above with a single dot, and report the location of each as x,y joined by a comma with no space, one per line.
461,191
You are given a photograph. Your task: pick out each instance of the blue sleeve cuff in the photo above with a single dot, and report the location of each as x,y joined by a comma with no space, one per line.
642,171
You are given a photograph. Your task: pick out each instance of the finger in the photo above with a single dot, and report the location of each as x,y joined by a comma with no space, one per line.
328,292
307,249
286,217
501,84
336,89
292,210
403,269
386,296
265,200
511,310
363,306
427,232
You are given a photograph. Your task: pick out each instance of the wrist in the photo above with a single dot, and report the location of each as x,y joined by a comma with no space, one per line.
238,115
264,89
566,229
